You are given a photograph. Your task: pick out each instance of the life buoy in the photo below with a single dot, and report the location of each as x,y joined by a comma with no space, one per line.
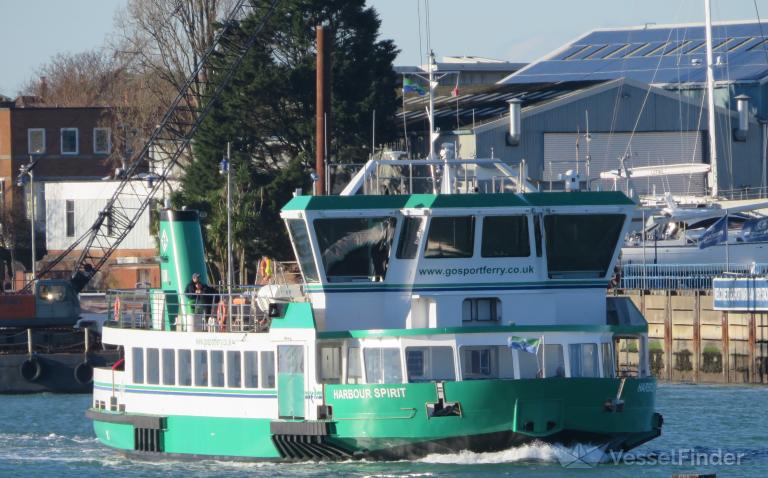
84,373
31,369
116,310
221,316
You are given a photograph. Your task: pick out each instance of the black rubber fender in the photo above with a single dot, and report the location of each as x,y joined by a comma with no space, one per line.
31,369
84,373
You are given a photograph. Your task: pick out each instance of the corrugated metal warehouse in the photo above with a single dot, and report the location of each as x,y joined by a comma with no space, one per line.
638,92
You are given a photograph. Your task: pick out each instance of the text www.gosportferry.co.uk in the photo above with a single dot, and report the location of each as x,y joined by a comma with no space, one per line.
473,271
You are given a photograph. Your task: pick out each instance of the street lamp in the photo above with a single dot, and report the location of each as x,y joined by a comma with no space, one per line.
224,169
28,171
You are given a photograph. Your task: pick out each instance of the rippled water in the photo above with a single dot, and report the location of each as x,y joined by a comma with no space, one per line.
48,435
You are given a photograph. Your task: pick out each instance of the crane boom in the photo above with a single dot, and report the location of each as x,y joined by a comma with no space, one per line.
174,133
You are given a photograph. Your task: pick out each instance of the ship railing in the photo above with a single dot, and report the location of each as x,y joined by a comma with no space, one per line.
244,310
745,193
681,276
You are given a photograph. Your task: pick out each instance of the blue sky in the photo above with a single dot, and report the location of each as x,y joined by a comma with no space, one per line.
33,31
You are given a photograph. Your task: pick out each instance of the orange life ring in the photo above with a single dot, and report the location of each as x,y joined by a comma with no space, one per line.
116,309
221,316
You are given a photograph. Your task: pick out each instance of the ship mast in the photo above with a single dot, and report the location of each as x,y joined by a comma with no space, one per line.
711,102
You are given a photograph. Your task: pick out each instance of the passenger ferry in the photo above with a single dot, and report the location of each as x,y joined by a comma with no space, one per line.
475,319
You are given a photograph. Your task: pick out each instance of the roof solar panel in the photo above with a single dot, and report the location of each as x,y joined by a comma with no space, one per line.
655,55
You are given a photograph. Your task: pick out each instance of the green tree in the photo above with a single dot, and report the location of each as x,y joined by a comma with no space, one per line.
267,113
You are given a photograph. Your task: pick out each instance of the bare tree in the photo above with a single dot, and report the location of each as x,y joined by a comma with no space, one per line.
167,38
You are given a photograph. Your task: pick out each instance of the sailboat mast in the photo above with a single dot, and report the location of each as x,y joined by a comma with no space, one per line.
711,102
432,85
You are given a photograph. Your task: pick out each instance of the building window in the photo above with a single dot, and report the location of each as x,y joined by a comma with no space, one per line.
70,213
69,141
36,141
102,141
482,309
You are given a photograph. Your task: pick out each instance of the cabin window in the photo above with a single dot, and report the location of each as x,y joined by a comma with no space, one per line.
382,365
429,363
408,245
233,369
185,367
354,368
450,237
201,368
268,369
505,236
581,245
169,367
583,358
486,362
138,364
355,248
628,356
217,368
607,356
52,292
329,364
153,366
481,309
251,366
554,362
303,247
528,364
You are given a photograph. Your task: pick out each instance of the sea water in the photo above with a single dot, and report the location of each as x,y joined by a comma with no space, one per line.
707,429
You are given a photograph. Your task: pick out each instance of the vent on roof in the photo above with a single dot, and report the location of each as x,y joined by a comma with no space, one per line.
761,45
575,52
659,48
741,42
618,52
636,50
676,49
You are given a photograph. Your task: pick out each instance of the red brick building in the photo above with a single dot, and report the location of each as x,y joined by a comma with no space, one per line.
69,144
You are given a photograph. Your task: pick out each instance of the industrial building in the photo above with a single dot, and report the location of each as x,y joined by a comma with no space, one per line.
631,97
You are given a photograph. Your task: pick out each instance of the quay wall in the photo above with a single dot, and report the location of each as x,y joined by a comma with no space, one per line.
690,342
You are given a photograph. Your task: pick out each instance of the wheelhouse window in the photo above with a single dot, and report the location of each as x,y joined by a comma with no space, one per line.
303,247
581,245
584,360
482,362
101,141
505,236
355,249
450,237
408,244
36,141
481,309
382,365
69,141
429,363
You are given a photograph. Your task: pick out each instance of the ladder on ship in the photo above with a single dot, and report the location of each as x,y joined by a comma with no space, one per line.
174,133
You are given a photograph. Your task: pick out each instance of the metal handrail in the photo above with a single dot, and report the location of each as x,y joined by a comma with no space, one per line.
680,276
